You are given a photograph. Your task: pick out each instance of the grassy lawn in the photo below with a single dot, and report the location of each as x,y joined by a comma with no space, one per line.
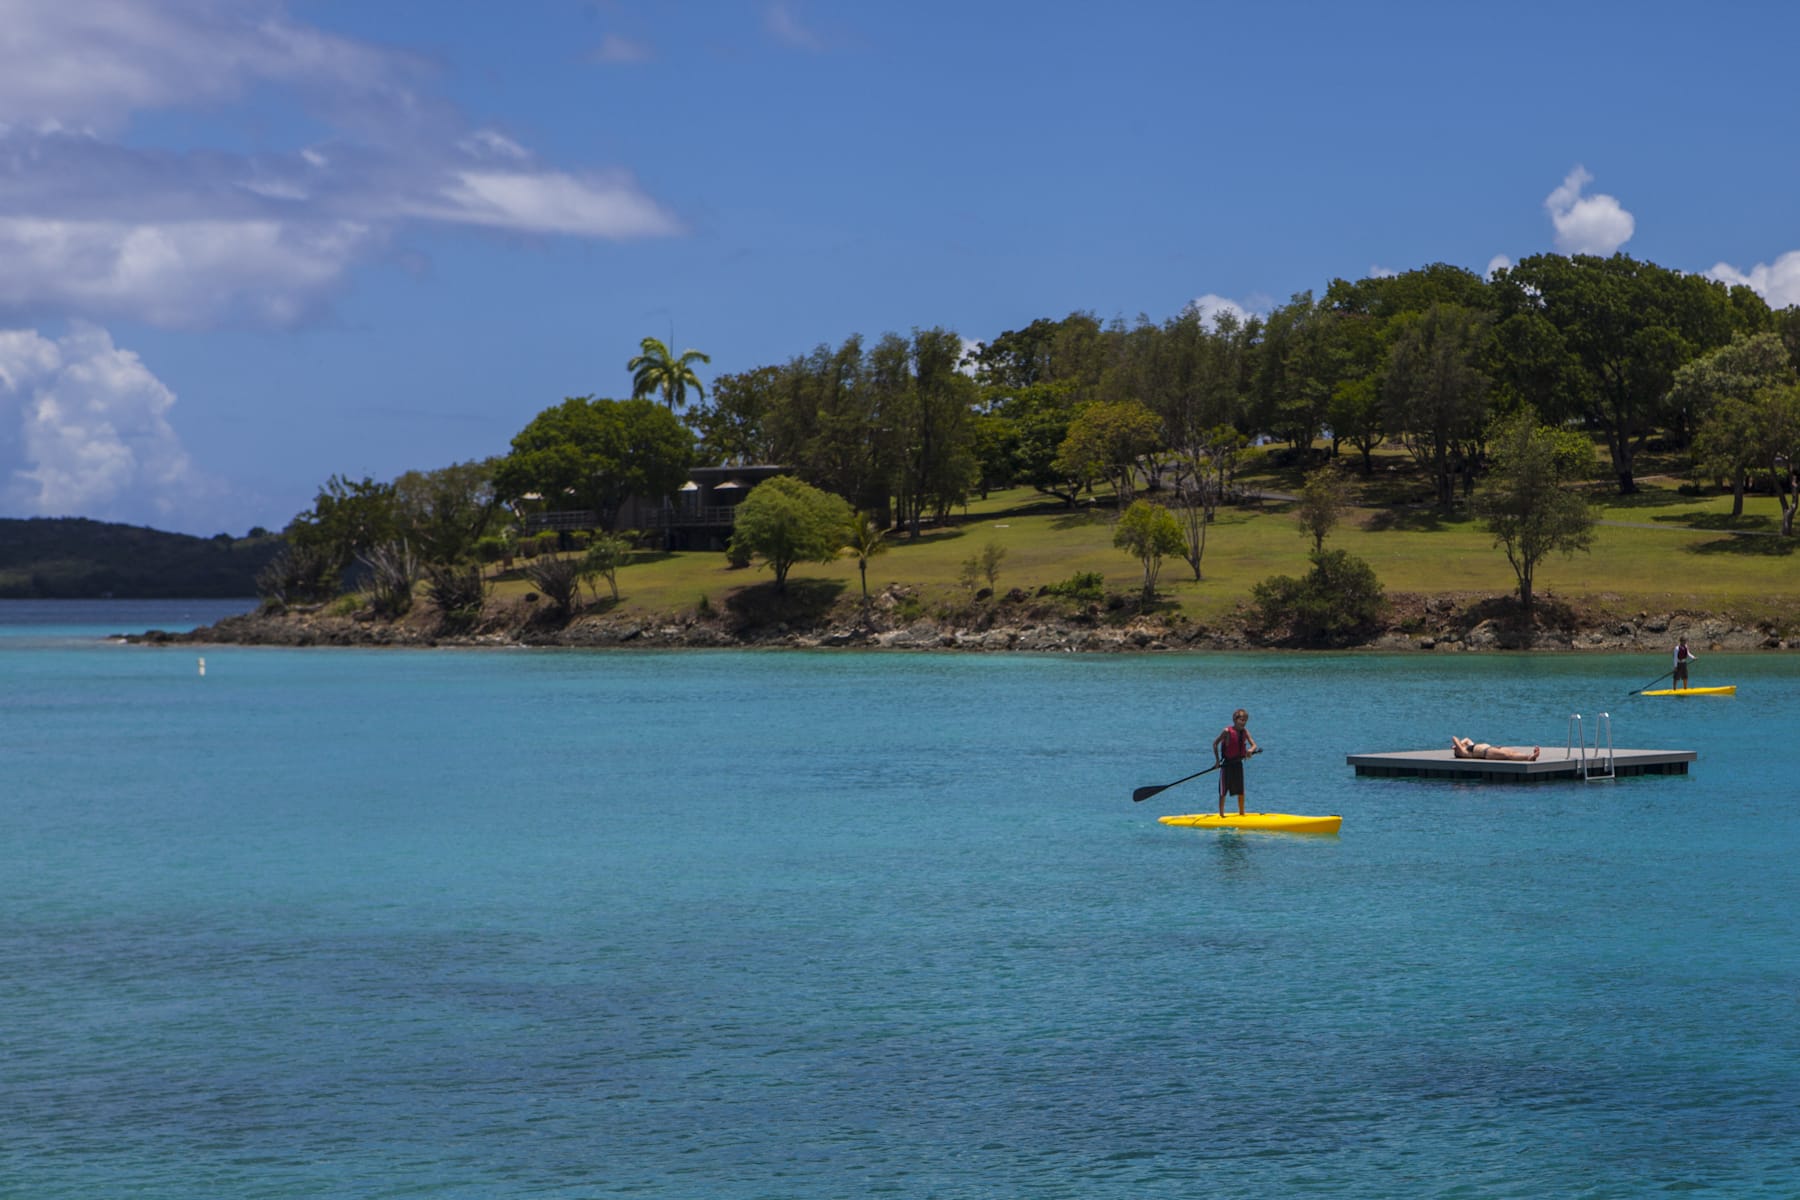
1655,551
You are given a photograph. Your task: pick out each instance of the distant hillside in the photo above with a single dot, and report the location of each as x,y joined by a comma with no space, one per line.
73,558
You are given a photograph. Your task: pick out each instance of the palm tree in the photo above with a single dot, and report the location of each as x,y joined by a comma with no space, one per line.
657,370
865,538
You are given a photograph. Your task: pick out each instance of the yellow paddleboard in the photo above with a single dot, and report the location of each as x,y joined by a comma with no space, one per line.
1275,822
1730,690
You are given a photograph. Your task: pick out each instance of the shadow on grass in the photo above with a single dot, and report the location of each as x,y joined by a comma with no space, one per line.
1410,520
1647,498
806,601
1081,518
1752,546
1723,522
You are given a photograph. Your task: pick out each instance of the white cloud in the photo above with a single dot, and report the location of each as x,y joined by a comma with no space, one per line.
1497,264
1778,283
90,66
1380,272
618,50
1208,307
84,429
1595,224
178,274
784,23
549,202
92,228
492,144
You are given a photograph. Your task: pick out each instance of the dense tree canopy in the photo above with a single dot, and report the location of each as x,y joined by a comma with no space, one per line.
1625,327
443,513
593,454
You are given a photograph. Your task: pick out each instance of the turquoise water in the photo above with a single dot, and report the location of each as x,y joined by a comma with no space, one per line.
531,923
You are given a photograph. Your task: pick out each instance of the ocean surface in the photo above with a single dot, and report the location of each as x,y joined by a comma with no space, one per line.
453,923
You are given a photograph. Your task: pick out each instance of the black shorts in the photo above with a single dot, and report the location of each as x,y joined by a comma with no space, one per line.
1231,776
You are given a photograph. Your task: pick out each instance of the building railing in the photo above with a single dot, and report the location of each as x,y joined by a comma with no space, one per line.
557,522
669,516
672,516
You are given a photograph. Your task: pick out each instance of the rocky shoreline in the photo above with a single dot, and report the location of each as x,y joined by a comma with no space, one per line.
1438,624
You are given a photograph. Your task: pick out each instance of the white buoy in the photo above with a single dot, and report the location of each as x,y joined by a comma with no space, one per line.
203,667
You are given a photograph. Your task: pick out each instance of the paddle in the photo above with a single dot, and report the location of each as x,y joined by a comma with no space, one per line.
1144,793
1653,682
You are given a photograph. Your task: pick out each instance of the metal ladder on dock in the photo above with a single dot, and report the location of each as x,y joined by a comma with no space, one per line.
1591,766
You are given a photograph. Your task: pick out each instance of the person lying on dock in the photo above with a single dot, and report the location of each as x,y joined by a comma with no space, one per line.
1467,748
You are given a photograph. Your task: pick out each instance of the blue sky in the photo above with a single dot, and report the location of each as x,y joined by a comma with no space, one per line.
245,245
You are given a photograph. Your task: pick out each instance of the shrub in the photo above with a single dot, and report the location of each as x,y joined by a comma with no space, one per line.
985,565
458,592
559,579
1087,585
604,558
490,549
298,575
393,569
1336,602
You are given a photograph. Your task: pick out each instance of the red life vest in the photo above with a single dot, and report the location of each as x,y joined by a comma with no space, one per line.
1235,741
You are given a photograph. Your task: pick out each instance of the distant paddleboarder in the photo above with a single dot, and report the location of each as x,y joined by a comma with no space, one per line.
1683,656
1233,745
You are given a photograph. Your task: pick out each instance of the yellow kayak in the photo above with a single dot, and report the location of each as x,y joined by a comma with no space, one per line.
1274,822
1729,690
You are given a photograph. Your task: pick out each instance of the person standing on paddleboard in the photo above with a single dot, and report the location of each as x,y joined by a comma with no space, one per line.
1233,745
1683,656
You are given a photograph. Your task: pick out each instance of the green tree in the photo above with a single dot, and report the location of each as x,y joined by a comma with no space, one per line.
1384,297
1435,390
348,518
1299,365
1209,464
1778,436
658,370
866,538
443,513
1528,503
594,454
1718,392
1323,499
1106,441
821,419
1625,327
786,521
1040,417
732,427
924,418
1149,532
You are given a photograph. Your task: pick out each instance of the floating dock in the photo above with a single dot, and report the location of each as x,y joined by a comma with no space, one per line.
1550,764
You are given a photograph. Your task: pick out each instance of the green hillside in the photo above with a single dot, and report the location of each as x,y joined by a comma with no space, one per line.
73,558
